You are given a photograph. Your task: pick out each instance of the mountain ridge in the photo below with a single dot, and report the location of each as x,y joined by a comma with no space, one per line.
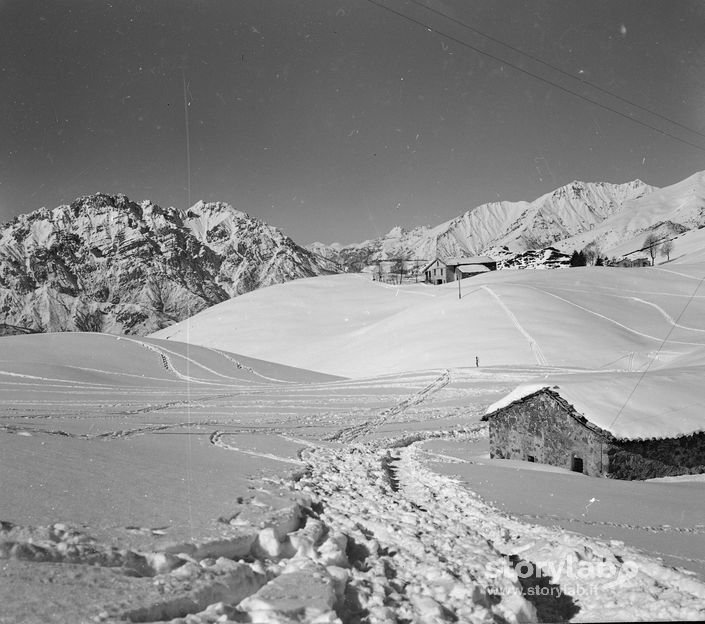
106,263
567,218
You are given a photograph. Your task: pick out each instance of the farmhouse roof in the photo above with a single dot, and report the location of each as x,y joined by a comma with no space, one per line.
619,406
432,262
459,261
472,269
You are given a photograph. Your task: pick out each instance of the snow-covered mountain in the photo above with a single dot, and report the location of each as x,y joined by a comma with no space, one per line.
105,263
615,216
667,212
519,226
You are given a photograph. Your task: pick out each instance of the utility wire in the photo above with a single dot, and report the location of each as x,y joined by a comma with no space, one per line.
188,140
557,69
652,360
537,77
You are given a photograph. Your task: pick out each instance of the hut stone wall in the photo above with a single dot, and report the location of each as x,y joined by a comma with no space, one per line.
539,428
646,459
544,428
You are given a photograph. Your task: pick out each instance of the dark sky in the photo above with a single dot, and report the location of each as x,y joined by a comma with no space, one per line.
337,119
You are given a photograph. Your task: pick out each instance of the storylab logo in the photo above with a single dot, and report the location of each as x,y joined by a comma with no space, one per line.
570,575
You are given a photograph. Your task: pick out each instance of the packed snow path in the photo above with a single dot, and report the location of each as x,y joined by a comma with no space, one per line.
429,550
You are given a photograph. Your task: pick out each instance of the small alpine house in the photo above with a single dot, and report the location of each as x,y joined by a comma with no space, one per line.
619,425
448,270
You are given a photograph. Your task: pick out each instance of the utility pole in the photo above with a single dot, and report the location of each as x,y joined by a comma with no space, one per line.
457,276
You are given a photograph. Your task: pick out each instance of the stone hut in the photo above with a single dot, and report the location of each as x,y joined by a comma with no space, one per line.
542,426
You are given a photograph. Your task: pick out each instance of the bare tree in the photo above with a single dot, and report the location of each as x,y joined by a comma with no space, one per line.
399,268
667,248
651,245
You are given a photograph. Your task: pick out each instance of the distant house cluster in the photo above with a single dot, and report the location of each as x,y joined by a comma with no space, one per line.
452,269
630,262
544,427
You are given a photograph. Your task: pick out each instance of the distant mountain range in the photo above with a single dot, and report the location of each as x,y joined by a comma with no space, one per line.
615,216
105,263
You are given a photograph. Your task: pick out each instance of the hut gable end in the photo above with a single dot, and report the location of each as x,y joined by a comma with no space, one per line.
543,427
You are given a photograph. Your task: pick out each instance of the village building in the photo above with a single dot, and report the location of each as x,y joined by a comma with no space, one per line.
443,271
631,262
543,426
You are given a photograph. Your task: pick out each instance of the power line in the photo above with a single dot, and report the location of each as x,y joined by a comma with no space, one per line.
188,141
537,77
557,69
652,360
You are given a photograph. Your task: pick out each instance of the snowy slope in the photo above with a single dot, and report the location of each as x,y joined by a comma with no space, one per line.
146,480
105,263
592,317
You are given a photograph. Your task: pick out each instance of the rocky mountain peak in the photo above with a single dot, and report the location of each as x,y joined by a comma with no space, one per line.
106,263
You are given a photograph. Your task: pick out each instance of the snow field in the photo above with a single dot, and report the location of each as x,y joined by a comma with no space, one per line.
589,318
151,471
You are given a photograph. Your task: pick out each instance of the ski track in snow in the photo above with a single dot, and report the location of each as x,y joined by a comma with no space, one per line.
62,382
112,435
663,528
605,288
663,313
535,349
166,360
615,322
354,432
251,370
216,439
691,277
167,356
666,315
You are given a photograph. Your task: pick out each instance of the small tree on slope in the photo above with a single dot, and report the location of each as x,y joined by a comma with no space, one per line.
667,248
651,244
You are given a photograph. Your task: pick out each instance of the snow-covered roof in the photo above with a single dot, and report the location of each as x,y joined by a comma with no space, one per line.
473,269
432,263
629,406
469,260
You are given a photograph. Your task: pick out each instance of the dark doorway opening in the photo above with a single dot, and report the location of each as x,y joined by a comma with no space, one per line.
577,465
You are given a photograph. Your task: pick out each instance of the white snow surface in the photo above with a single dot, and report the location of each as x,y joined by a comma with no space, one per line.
222,479
590,318
659,404
146,480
